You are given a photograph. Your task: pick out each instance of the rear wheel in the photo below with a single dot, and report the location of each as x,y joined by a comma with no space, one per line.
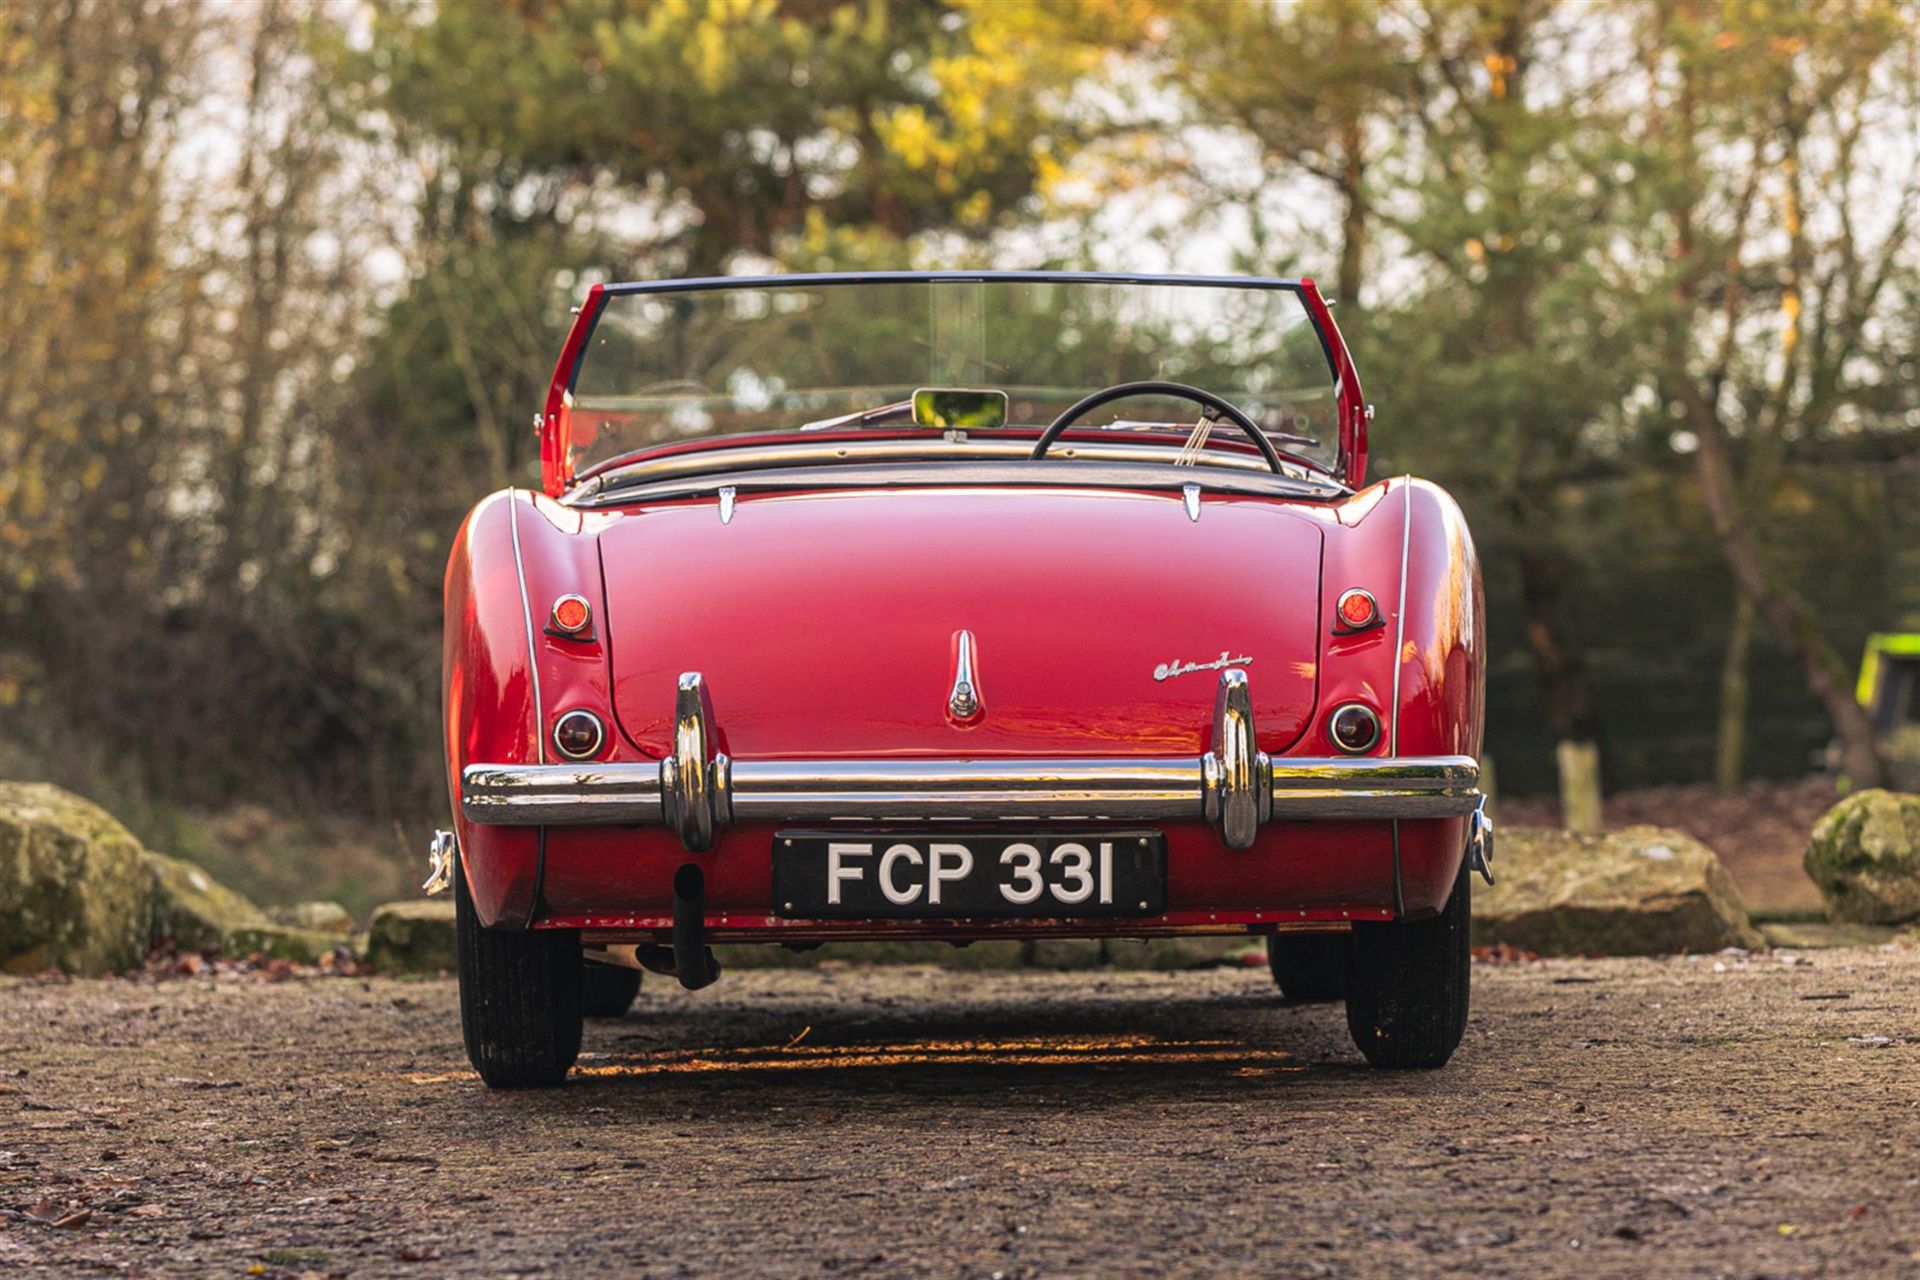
608,989
520,998
1407,985
1309,967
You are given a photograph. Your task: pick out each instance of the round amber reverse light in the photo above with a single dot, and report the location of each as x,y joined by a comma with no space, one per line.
571,614
577,735
1354,728
1357,609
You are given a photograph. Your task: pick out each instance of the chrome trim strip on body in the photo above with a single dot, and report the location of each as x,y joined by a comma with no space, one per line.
1400,616
1399,655
698,792
526,610
1062,475
814,453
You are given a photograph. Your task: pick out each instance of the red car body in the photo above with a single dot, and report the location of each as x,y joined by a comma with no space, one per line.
1123,627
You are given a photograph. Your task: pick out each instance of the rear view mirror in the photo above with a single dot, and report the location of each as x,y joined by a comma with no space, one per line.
959,408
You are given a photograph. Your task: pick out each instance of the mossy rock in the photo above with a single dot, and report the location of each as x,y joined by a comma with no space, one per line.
74,891
1637,891
1865,857
315,917
413,937
279,942
196,911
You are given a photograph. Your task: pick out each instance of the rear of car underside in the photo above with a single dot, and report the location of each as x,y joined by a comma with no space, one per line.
849,684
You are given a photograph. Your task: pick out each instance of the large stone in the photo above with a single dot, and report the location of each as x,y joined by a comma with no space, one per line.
193,909
1865,856
74,893
315,917
280,942
413,937
1637,891
1810,935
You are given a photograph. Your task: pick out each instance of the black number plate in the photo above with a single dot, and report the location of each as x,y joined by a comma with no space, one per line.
917,876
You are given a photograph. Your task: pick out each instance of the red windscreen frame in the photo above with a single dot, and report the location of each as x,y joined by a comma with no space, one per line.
1353,401
556,465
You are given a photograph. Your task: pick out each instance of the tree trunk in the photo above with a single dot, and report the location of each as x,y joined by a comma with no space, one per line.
1353,217
1579,764
1787,616
1730,743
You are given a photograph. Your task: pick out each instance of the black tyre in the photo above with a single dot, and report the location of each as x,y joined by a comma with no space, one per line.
520,995
1407,986
608,989
1309,967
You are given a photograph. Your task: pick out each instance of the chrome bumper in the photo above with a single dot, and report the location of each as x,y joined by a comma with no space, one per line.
1235,787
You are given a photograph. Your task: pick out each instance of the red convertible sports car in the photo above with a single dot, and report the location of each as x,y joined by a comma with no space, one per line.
959,606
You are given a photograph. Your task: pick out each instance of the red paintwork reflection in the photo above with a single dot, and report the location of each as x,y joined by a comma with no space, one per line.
824,623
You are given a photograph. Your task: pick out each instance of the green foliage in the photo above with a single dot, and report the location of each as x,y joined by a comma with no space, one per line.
243,406
729,125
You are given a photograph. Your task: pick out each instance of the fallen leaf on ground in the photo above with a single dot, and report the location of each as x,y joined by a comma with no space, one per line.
59,1217
1502,953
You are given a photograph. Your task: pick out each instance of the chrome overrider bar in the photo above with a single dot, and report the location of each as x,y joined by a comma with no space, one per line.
697,791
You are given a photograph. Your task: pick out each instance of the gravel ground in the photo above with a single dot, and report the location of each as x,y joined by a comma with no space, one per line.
1713,1116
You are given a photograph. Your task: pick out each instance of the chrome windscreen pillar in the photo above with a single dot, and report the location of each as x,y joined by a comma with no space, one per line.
1237,784
695,781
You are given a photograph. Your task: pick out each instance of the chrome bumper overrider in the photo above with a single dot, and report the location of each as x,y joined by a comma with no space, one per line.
697,791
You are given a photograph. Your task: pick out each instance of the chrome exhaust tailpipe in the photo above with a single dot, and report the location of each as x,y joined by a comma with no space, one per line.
443,853
693,962
1480,841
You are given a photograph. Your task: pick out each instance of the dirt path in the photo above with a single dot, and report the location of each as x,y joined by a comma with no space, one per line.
1699,1117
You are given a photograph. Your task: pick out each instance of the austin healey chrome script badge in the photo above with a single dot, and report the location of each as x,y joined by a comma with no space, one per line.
1168,670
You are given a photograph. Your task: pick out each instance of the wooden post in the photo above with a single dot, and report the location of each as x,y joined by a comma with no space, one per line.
1579,786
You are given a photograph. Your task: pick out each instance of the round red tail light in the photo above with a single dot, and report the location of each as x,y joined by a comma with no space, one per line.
1357,609
571,615
1354,728
577,735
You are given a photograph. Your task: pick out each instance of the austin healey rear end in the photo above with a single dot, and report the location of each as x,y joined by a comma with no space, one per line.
956,607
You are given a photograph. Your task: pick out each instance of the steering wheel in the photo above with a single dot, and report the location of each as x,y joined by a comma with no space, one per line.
1121,390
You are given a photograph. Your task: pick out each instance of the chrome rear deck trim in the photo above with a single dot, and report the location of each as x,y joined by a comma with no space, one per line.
882,461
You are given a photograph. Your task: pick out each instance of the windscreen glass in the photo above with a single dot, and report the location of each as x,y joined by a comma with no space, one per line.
672,365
